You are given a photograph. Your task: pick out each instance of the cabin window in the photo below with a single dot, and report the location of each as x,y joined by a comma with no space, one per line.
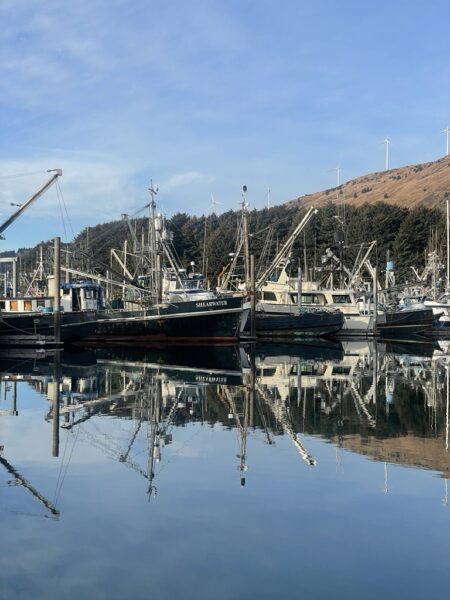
14,305
88,294
307,369
341,299
2,305
269,296
266,371
66,291
308,299
40,303
340,370
27,305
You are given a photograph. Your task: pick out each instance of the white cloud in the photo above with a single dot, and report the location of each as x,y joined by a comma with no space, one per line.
92,192
181,180
201,93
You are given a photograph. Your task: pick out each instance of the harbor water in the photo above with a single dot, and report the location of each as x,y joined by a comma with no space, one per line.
310,470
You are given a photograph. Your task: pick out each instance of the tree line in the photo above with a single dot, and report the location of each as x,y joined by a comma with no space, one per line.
405,235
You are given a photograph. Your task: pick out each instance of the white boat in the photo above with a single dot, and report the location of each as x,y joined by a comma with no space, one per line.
282,295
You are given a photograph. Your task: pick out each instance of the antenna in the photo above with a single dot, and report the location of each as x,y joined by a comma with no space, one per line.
153,189
447,132
386,142
244,204
268,197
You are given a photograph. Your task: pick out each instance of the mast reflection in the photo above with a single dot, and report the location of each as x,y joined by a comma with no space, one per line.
387,402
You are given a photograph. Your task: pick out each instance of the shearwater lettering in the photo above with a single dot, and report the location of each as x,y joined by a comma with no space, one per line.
206,304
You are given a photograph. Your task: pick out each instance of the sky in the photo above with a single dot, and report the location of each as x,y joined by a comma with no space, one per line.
204,96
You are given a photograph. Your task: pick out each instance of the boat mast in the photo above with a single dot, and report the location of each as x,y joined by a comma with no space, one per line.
245,238
242,248
448,241
155,258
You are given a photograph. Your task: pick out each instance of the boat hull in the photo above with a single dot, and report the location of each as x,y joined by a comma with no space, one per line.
298,324
405,323
218,320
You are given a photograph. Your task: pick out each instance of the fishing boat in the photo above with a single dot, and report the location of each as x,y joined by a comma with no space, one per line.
217,320
287,321
175,313
404,323
354,301
277,314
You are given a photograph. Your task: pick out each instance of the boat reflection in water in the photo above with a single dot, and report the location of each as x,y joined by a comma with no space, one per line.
389,406
116,465
389,403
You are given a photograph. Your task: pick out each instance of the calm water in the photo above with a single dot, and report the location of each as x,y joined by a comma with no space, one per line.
307,471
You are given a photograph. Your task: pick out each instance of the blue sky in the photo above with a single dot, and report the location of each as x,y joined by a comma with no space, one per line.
206,95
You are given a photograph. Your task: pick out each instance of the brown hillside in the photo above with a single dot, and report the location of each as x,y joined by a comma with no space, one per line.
409,450
410,186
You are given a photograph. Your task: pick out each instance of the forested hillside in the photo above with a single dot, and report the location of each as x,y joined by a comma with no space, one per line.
406,234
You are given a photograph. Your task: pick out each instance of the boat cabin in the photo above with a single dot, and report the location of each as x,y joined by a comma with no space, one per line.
272,293
180,286
75,297
283,290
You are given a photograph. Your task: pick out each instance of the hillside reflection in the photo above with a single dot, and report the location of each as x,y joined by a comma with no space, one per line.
390,403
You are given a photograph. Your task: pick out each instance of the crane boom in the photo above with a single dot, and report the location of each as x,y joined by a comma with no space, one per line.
28,203
126,218
279,412
286,247
22,481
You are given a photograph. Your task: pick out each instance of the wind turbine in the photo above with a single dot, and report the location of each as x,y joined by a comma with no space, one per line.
338,174
447,132
386,142
213,204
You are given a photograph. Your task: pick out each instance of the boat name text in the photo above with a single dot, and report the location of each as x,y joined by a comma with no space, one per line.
206,304
210,379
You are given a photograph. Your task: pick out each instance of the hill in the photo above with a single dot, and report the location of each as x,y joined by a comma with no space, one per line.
401,209
410,187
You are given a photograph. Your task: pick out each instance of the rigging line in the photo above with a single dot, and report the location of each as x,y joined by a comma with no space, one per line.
108,235
122,278
15,365
60,469
347,246
5,323
104,265
67,467
175,253
22,174
177,452
62,216
27,514
274,224
130,282
59,190
139,211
